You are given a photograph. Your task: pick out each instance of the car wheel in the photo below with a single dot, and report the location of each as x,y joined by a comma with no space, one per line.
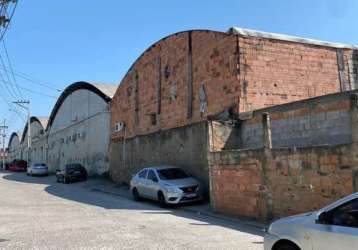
161,199
136,195
286,246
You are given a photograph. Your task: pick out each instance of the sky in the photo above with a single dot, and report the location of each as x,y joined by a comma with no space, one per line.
56,43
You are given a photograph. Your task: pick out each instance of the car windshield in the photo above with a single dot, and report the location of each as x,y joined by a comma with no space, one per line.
40,165
172,174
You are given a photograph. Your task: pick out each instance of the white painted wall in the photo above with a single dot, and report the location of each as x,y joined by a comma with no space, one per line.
80,133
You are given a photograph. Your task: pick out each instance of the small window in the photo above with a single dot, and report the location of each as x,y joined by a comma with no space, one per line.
143,174
152,176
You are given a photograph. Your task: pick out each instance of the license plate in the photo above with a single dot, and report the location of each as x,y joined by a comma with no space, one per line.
190,195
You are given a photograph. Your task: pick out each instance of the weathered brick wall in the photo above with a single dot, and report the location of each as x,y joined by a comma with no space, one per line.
317,121
182,74
246,72
282,181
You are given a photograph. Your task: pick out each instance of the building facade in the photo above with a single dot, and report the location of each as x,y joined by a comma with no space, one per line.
14,147
190,77
38,146
77,131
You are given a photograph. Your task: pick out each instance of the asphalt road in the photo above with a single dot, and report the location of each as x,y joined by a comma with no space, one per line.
38,213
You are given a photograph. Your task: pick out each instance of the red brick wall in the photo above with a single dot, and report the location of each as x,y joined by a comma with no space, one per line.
267,72
283,184
289,180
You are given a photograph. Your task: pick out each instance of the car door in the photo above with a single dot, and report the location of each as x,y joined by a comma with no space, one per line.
339,230
152,184
141,182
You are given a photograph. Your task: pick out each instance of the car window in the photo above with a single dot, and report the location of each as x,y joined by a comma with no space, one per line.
40,165
346,215
152,176
143,174
172,174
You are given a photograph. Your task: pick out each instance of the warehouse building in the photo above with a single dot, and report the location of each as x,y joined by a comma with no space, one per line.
14,147
78,129
161,109
38,151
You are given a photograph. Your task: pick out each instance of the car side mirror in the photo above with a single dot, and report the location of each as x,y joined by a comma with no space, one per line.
324,218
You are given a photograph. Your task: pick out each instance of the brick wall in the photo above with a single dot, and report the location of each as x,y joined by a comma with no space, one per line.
162,88
317,121
295,175
189,77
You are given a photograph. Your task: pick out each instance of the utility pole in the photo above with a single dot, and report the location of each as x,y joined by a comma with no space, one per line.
26,105
3,134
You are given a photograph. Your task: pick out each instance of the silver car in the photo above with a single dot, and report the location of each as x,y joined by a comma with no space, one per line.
166,184
334,227
37,169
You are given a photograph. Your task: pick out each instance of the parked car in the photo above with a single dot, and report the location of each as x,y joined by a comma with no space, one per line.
37,169
18,166
330,228
71,172
166,184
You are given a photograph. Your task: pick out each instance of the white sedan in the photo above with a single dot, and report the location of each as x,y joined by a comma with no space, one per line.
334,227
37,169
166,184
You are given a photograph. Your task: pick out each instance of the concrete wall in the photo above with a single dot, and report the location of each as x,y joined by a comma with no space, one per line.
80,133
186,147
299,170
324,120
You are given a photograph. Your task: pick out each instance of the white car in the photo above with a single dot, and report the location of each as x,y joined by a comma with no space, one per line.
334,227
37,169
166,184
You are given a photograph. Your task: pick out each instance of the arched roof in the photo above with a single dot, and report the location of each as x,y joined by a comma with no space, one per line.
41,120
105,91
164,38
12,136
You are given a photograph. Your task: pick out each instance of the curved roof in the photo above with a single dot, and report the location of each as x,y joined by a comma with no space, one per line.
164,38
42,120
12,136
105,91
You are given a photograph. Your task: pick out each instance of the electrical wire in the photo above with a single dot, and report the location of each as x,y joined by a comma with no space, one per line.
11,69
30,90
31,79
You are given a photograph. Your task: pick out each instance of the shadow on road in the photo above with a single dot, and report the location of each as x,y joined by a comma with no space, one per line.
81,193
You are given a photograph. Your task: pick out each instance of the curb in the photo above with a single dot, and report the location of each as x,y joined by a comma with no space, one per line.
256,225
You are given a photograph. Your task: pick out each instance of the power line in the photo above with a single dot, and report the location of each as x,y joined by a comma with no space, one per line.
30,79
30,90
11,69
14,94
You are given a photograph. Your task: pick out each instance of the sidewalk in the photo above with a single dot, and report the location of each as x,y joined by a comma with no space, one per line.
105,186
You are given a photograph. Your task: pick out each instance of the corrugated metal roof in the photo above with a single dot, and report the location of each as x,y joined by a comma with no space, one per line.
282,37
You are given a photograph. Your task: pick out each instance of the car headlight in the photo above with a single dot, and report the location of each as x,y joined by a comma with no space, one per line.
173,190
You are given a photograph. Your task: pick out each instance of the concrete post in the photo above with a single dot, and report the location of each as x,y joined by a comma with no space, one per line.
266,124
